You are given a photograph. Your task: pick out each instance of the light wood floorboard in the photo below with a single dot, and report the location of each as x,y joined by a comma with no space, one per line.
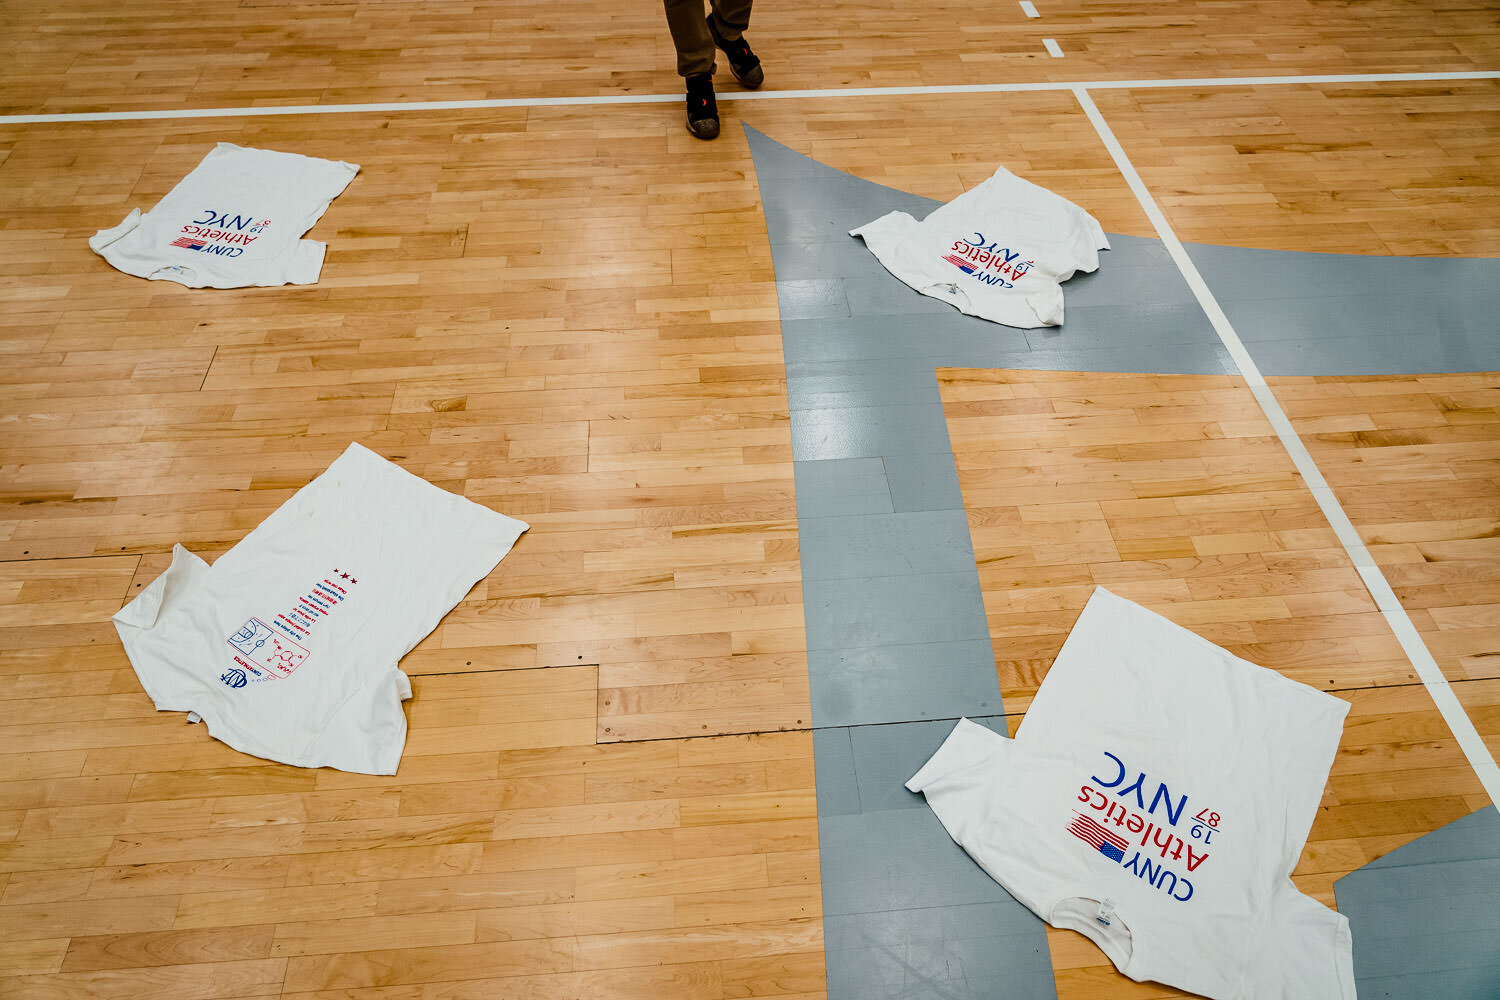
1416,462
1332,168
569,314
87,55
543,325
1172,491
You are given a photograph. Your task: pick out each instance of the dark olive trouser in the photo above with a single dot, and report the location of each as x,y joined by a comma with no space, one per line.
689,26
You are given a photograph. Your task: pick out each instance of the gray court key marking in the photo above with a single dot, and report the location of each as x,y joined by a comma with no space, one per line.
895,620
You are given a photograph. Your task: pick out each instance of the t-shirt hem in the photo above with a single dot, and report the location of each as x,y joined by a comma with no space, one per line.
226,732
1295,688
1343,943
221,729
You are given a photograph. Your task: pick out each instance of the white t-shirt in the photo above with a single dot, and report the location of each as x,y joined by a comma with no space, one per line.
1156,799
998,251
287,645
235,220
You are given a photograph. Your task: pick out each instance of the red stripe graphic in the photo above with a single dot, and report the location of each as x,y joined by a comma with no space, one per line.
1086,829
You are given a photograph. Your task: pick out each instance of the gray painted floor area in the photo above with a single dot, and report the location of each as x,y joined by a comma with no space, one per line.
898,645
1339,314
895,624
906,913
1425,920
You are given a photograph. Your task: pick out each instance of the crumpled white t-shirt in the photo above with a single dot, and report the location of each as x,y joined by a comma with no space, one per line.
235,220
1156,799
999,251
287,646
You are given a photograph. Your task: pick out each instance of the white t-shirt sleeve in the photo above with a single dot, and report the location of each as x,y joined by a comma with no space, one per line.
968,783
965,755
305,262
884,236
106,238
170,687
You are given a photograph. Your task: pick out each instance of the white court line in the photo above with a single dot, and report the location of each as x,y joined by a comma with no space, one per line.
1053,49
759,95
1380,589
1029,9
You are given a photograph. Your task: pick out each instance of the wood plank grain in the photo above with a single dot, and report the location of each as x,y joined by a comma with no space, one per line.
1285,596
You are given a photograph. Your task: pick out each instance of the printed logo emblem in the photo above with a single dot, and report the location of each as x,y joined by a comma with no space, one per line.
1155,825
269,655
978,258
267,652
221,234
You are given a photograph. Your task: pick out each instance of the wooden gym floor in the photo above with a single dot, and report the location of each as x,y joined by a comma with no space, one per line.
568,313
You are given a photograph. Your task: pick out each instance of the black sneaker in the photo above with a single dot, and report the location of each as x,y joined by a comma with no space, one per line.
744,64
702,108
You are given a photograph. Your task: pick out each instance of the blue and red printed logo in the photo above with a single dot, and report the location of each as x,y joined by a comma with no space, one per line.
221,234
1119,810
272,648
263,654
987,261
1100,839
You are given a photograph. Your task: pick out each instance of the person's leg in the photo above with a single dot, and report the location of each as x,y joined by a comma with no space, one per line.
695,62
731,18
702,106
727,26
689,26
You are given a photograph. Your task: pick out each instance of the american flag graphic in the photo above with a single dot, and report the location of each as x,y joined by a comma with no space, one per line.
188,242
961,264
1097,837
